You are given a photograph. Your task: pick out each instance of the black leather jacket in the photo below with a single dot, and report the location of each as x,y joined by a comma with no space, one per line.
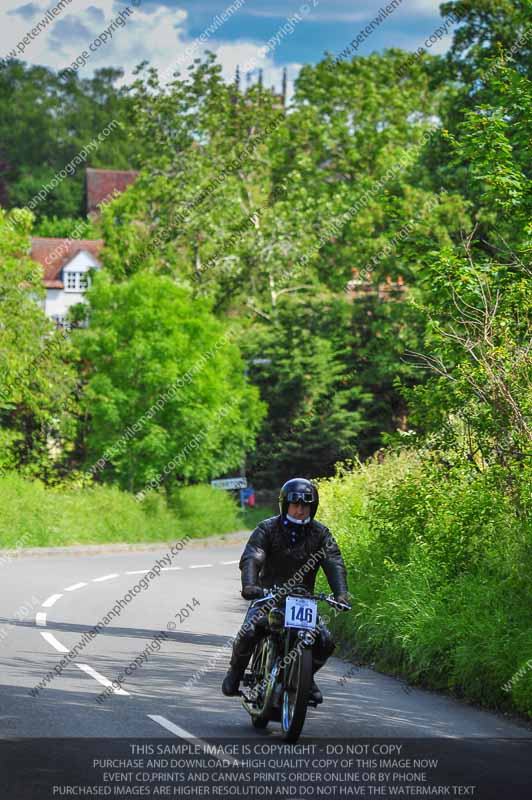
269,558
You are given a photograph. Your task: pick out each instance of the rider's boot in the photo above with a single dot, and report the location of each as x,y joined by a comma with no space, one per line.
231,682
235,674
315,693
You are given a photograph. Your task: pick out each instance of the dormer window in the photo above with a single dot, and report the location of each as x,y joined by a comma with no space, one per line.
76,281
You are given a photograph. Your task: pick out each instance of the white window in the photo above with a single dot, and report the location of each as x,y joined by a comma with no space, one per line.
76,281
71,283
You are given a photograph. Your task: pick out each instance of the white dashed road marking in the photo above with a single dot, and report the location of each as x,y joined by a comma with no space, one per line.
48,603
50,638
40,619
100,678
178,731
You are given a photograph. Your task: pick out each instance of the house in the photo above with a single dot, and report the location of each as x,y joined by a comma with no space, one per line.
102,184
67,264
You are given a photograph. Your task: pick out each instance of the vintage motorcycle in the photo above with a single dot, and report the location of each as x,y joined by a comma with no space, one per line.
279,681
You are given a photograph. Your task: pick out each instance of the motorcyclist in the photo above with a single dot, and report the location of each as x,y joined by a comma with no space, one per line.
278,549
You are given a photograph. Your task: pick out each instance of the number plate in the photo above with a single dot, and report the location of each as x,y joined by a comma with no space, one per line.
301,612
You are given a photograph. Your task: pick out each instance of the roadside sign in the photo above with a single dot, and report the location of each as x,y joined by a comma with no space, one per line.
230,483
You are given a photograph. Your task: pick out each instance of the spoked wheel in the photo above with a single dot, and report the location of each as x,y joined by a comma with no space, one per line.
295,696
260,719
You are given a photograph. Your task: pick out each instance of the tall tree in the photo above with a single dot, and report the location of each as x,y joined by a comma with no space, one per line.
47,120
38,384
166,399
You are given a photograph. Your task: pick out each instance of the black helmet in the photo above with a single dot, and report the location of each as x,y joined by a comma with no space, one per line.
298,489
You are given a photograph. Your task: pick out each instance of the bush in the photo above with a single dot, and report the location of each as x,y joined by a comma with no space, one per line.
34,516
198,508
438,565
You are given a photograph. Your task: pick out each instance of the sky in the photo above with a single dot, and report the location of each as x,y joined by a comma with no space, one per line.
91,34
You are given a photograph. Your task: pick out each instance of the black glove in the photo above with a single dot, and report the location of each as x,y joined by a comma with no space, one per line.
251,592
343,598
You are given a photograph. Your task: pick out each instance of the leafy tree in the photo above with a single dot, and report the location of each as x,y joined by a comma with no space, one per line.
479,307
66,227
316,406
207,181
38,389
163,386
488,32
250,237
47,119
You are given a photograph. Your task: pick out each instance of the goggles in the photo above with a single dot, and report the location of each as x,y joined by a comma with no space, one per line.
301,497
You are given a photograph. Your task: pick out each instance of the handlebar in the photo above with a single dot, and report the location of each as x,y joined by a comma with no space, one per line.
274,591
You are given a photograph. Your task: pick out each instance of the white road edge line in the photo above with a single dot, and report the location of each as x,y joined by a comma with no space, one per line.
168,569
100,678
229,562
51,600
74,587
40,618
178,731
198,566
105,577
138,571
50,638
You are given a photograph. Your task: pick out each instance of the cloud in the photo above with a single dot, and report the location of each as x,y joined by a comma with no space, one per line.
314,16
96,14
427,8
156,33
26,12
159,33
342,10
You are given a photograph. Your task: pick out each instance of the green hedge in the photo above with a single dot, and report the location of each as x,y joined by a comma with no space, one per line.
34,516
439,564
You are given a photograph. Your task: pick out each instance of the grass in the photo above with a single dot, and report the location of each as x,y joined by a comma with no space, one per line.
438,565
32,515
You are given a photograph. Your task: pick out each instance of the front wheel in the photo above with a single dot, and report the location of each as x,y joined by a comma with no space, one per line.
261,662
295,695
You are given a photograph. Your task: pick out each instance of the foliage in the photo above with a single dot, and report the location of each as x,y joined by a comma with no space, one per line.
39,384
316,408
65,228
146,336
438,567
47,120
32,515
489,32
249,237
200,505
478,340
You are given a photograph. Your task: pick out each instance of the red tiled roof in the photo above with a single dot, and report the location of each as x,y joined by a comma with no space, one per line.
101,183
53,254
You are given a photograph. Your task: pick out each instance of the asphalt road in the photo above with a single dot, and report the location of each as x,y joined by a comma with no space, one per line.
49,603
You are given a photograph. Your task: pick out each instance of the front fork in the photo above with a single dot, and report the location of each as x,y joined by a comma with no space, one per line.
295,639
